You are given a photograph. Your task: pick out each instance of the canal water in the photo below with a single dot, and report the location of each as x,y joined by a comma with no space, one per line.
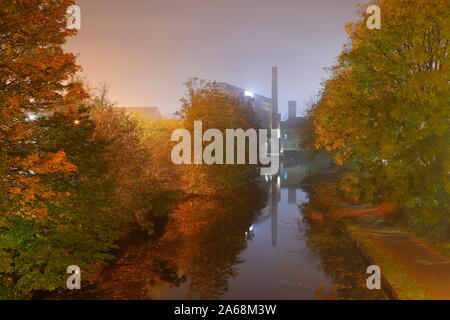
251,246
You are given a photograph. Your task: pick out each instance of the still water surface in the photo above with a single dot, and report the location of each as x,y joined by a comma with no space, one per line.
255,246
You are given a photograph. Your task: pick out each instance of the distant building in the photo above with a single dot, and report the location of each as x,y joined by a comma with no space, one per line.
152,113
171,116
266,109
290,129
261,105
292,109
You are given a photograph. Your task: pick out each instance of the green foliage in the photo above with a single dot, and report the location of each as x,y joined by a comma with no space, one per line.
385,111
73,172
52,211
79,226
323,201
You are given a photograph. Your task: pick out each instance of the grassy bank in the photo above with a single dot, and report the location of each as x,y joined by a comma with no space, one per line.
402,285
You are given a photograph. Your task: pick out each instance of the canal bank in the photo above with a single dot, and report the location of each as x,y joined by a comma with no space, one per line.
410,270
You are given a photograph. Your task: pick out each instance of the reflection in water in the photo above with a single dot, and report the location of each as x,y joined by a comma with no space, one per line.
256,246
342,263
195,257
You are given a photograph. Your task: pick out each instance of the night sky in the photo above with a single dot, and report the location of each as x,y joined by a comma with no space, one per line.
146,49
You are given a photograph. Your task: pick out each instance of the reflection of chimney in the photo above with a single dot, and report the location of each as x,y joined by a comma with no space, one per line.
275,98
274,195
292,109
292,195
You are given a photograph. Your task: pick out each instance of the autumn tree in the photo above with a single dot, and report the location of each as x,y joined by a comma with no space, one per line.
138,155
204,101
63,197
35,79
385,110
75,172
156,138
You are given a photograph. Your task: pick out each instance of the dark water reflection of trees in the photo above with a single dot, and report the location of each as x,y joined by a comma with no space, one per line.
196,256
342,262
339,256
